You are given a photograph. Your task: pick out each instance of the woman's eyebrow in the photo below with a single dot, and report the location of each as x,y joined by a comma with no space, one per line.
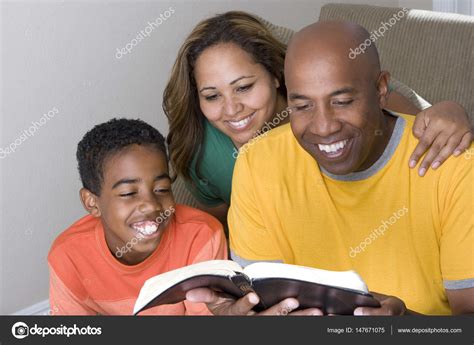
231,83
240,78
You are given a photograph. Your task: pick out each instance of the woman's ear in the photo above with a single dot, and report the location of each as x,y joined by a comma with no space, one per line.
89,201
383,88
277,83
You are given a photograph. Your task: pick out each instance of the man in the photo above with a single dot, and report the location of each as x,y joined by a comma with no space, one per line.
334,192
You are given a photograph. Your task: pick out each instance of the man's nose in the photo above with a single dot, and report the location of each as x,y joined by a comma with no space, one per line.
324,122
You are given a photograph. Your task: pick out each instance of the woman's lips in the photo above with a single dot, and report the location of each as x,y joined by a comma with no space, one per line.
241,124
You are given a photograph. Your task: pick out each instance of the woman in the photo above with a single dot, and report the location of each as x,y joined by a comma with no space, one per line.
227,87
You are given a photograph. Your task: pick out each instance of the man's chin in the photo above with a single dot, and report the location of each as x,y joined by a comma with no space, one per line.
335,168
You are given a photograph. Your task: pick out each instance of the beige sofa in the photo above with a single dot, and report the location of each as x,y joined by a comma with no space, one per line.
429,52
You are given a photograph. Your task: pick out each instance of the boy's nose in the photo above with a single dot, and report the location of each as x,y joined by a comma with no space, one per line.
150,205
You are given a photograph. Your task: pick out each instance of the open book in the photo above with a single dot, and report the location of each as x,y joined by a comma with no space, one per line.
333,292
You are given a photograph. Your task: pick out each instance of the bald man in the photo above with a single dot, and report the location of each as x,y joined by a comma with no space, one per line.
332,189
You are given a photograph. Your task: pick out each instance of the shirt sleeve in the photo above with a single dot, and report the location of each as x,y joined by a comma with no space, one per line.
250,239
62,301
404,90
457,221
211,244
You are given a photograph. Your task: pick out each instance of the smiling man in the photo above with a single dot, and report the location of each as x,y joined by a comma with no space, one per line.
332,190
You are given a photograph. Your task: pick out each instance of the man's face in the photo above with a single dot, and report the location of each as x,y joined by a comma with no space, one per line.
335,112
136,202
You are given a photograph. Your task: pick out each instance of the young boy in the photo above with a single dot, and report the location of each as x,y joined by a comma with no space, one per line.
134,229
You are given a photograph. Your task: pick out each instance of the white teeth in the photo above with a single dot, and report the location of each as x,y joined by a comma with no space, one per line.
146,228
242,123
333,147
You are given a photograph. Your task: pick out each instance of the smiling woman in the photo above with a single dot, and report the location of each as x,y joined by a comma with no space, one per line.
227,84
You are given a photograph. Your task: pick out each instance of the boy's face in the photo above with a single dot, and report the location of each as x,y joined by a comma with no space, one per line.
135,203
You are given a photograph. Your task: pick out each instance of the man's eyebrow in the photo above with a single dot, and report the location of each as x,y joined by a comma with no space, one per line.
136,180
342,91
231,83
295,96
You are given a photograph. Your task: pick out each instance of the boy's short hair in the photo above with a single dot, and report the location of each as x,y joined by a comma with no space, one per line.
108,138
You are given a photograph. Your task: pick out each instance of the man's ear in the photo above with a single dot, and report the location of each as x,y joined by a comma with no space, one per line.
383,88
89,201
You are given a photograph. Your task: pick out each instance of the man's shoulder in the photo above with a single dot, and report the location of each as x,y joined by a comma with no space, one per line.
275,143
452,166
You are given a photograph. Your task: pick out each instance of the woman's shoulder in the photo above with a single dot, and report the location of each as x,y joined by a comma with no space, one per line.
216,149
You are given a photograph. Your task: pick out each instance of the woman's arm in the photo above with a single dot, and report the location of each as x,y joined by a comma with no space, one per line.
220,212
442,129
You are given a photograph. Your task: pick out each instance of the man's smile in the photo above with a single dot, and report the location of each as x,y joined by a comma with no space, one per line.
335,149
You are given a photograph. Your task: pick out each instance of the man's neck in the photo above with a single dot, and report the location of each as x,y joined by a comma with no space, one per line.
382,138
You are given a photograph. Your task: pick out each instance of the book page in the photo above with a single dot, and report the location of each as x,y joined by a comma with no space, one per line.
156,285
343,279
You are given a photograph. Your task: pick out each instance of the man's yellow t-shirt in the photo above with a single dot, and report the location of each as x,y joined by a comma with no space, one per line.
407,236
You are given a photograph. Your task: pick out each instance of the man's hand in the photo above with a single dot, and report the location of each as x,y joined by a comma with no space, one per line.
389,305
221,304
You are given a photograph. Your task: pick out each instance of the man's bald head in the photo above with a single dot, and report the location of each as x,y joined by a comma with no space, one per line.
334,40
337,97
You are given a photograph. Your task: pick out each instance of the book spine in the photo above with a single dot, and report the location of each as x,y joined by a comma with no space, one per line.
243,283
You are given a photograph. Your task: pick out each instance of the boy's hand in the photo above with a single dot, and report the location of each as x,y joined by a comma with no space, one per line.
221,304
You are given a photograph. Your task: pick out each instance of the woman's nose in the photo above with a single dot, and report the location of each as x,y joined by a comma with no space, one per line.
232,106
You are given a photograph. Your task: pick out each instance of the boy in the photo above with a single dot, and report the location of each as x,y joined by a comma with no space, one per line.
134,229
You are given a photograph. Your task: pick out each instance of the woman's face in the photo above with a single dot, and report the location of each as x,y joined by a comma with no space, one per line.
236,94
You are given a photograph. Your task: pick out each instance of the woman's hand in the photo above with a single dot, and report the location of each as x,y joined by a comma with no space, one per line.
221,304
442,129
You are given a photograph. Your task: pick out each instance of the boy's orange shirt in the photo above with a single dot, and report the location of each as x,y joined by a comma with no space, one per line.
87,279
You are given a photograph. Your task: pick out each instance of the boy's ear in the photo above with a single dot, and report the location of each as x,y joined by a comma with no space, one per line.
383,88
89,201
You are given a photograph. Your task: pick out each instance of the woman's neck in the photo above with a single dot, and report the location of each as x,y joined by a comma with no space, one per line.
280,117
280,111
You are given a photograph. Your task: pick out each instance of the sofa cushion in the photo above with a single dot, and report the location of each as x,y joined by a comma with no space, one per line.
429,51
